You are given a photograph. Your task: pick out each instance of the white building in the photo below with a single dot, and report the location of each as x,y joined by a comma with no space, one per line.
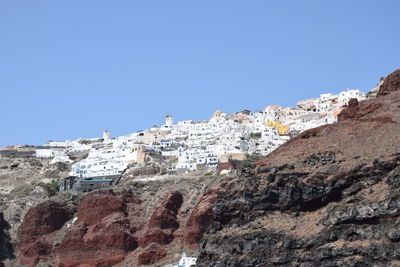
200,144
186,261
106,135
169,120
345,96
44,153
98,167
326,97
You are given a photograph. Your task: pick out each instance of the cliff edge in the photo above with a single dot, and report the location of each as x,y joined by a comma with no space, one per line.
329,197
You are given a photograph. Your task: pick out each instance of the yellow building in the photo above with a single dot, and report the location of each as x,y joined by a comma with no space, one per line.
281,128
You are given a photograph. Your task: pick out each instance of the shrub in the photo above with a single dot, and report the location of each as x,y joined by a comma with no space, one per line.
255,135
51,188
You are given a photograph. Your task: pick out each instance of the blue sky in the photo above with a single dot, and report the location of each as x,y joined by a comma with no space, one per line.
70,69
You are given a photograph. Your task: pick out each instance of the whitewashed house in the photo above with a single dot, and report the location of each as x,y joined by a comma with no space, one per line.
345,96
44,153
186,261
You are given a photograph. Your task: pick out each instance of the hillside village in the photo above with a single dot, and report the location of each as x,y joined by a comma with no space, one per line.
187,146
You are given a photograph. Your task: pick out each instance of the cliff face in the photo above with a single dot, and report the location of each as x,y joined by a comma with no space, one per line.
329,197
390,84
134,225
103,233
38,228
20,177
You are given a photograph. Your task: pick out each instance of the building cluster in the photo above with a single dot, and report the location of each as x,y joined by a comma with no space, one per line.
199,145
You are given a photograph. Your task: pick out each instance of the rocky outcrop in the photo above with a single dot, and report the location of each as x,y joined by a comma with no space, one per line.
94,207
328,197
357,112
103,234
304,222
390,84
43,219
163,222
35,239
23,183
19,170
200,218
135,226
164,217
151,254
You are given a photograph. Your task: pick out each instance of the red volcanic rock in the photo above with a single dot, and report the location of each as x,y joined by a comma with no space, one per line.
311,133
109,228
111,235
362,131
200,218
102,235
98,205
72,241
353,103
33,252
390,84
43,219
163,221
151,255
39,222
164,217
358,112
157,235
106,247
111,260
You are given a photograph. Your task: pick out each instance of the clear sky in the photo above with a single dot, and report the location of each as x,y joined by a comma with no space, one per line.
71,69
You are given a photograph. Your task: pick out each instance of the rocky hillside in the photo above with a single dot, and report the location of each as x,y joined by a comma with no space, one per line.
135,224
20,170
24,182
329,197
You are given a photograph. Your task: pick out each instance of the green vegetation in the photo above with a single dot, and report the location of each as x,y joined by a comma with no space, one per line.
51,188
250,161
255,135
